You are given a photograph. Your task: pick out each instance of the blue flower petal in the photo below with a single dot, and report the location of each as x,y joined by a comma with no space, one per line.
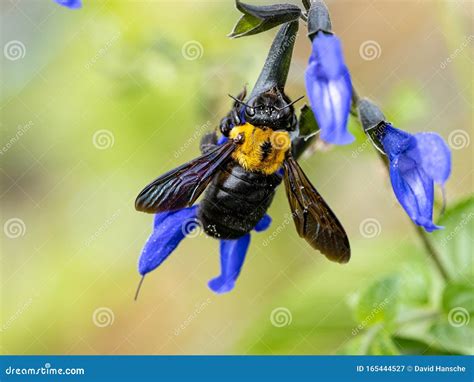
327,54
416,162
434,155
169,229
414,190
329,89
263,224
72,4
396,141
160,218
232,257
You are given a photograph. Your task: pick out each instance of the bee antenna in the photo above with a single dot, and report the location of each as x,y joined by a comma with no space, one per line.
139,287
291,103
238,100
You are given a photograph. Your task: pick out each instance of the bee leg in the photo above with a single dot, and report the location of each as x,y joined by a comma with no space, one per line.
208,142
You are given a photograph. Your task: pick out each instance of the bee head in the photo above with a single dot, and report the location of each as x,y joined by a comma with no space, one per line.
271,109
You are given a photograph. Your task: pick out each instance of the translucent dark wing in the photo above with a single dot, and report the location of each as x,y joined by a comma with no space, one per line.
181,187
313,218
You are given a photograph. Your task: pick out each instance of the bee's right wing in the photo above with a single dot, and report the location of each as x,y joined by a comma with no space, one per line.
179,188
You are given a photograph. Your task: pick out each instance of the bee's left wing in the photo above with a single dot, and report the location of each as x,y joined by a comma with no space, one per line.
179,188
314,220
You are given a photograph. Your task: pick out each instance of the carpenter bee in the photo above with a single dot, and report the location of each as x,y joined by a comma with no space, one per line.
239,172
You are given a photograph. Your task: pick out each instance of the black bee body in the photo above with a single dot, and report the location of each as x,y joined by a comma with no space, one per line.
236,198
235,201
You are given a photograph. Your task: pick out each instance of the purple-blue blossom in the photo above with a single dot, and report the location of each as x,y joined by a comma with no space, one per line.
171,227
417,162
72,4
329,88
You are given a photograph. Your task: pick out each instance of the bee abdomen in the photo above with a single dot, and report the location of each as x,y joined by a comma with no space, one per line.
235,202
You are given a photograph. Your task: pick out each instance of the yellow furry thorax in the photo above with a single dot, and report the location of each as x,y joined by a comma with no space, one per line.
260,149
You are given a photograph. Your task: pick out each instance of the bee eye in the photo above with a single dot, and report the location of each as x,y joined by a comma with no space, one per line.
250,111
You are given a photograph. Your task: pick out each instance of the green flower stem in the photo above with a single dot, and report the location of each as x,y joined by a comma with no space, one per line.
432,252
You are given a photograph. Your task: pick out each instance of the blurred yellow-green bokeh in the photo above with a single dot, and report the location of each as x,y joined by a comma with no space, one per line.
97,102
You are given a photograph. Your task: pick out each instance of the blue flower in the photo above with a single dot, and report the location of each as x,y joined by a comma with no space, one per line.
170,228
232,258
73,4
329,88
416,163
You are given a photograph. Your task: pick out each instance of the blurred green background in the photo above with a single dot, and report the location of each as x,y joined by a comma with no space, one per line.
97,102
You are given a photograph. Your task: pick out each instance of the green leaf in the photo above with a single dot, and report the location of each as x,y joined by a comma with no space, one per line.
378,303
452,338
257,19
307,122
382,344
460,296
245,24
409,346
454,242
416,285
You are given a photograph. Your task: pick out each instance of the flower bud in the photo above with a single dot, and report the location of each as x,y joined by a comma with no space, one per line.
318,19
